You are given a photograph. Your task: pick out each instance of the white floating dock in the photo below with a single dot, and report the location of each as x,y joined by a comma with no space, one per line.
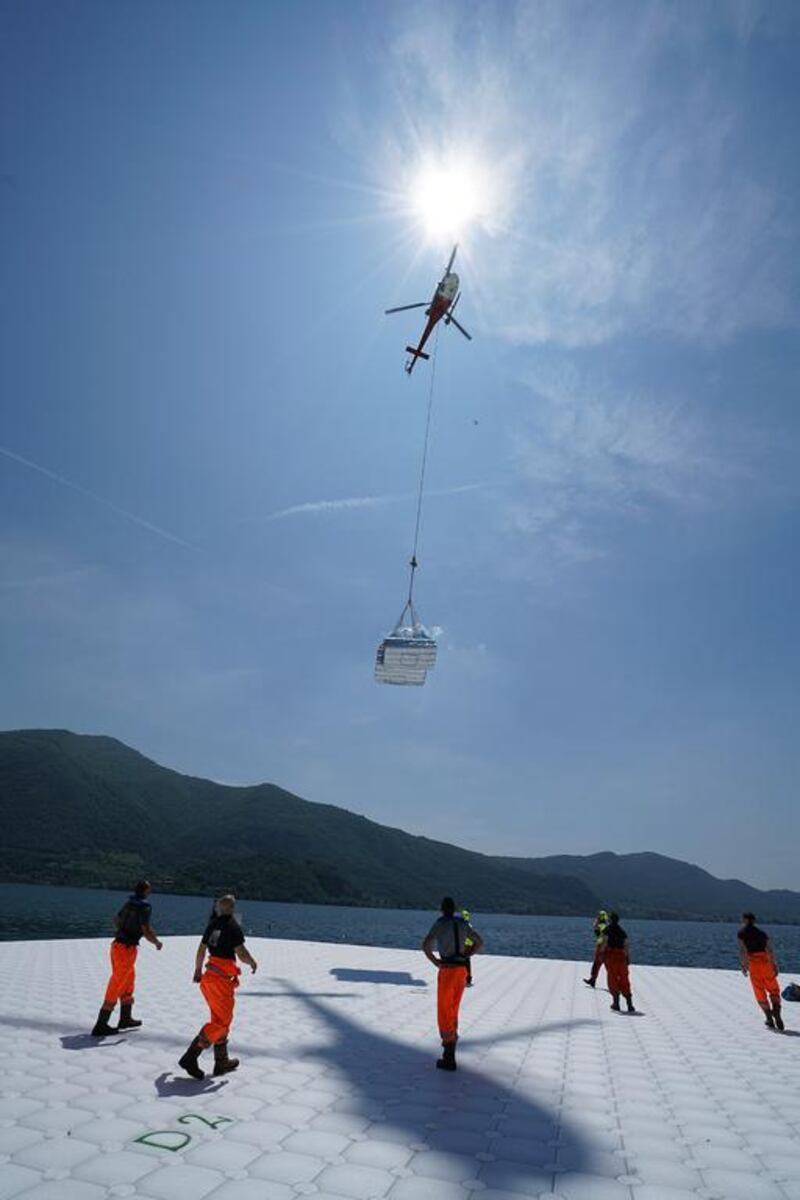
337,1095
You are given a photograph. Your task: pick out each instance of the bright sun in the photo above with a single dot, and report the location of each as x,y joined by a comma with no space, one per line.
448,198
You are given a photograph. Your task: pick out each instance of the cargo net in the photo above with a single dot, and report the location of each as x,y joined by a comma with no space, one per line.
406,654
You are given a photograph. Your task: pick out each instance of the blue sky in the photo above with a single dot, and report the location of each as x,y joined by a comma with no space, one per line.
208,446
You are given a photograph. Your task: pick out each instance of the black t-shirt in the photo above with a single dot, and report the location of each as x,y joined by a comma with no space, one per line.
222,936
615,937
131,921
754,939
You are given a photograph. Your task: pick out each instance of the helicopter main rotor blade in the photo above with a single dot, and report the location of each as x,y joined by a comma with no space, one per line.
404,307
450,320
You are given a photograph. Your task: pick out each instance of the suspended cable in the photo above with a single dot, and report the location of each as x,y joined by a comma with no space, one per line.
408,653
423,468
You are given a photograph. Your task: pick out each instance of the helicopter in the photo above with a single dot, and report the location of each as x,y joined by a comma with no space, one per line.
445,299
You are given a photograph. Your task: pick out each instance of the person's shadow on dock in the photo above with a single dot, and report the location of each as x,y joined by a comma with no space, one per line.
481,1124
249,992
168,1084
85,1041
351,975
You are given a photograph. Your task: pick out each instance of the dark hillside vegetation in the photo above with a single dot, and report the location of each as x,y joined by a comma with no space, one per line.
91,811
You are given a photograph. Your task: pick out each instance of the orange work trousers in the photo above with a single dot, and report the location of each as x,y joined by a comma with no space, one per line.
597,961
763,977
617,971
450,989
218,985
123,975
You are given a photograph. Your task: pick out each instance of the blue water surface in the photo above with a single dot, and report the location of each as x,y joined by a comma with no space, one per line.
31,911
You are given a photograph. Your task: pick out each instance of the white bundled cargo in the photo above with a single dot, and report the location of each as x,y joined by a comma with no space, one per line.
407,654
405,660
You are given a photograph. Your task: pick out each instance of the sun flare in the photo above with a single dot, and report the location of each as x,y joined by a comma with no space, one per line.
447,198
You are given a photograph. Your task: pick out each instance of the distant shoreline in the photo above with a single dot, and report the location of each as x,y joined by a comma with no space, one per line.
162,889
41,912
278,845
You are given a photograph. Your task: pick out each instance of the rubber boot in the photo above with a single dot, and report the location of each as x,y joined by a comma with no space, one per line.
615,1002
448,1060
629,1002
126,1021
770,1020
191,1059
101,1025
223,1064
776,1015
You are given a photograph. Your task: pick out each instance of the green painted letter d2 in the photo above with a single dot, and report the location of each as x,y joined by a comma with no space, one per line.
146,1139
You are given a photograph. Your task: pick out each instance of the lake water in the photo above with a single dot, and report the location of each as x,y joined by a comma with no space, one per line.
30,911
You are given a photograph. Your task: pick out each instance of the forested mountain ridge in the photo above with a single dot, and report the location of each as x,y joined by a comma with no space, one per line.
653,885
83,809
89,810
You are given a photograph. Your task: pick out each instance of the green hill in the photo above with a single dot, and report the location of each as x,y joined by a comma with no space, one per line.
652,885
89,810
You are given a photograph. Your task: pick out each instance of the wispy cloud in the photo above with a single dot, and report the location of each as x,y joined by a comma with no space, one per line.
332,506
628,197
320,507
642,193
101,500
55,579
617,446
42,584
590,451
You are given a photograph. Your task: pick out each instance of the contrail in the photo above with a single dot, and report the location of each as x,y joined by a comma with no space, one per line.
77,487
325,506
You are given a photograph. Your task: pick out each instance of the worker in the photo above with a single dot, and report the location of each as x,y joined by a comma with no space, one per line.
598,929
132,923
617,961
223,941
449,934
758,961
467,915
